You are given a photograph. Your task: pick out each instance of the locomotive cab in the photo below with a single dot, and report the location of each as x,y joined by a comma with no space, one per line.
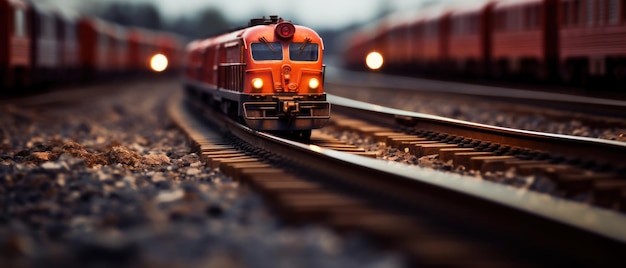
284,77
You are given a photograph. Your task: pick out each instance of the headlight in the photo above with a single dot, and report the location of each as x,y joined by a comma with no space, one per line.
158,63
257,83
314,83
374,60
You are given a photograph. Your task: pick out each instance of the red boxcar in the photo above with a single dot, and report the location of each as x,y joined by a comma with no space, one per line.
193,61
102,47
435,37
142,46
69,54
593,39
525,37
397,45
169,46
46,45
15,44
470,37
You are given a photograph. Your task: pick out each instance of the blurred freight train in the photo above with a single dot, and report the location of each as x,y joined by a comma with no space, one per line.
40,45
571,41
269,74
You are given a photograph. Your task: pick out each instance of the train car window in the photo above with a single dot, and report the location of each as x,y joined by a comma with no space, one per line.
473,24
70,32
566,13
267,51
624,10
601,12
500,21
303,51
46,27
465,25
590,13
613,16
576,12
233,54
20,23
432,28
515,20
538,20
530,18
456,25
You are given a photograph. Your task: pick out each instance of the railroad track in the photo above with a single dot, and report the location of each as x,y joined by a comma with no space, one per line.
531,109
435,218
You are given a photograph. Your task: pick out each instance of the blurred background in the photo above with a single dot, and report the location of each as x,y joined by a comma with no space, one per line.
195,19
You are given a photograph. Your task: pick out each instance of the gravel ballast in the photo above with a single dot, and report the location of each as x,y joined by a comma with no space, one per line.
111,181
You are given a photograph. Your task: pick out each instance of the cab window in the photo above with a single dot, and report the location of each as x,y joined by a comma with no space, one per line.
267,51
303,51
20,23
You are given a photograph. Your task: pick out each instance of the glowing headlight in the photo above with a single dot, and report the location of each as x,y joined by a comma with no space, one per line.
257,83
314,83
158,63
374,60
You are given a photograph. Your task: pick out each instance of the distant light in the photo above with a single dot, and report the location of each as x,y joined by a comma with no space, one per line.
158,63
374,60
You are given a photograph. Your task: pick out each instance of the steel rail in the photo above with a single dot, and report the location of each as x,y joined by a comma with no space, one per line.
590,234
602,150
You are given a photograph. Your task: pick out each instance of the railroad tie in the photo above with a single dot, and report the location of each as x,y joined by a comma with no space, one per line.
550,170
383,136
368,131
412,146
447,154
430,149
235,170
229,166
489,163
516,163
318,206
395,141
464,158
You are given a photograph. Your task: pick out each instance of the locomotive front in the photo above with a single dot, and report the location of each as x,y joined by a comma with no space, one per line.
283,88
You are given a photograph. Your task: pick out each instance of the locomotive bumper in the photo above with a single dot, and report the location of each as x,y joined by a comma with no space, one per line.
297,112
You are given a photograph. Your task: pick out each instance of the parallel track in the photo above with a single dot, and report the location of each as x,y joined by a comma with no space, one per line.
436,218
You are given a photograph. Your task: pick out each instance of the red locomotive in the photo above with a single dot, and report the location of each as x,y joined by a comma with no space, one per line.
40,46
269,74
566,40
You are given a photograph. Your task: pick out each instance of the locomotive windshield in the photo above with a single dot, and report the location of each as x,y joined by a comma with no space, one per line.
267,51
303,51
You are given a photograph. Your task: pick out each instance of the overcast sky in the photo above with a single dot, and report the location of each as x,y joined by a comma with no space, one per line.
316,13
313,13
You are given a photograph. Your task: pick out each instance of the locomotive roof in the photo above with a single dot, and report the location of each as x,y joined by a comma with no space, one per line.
251,34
